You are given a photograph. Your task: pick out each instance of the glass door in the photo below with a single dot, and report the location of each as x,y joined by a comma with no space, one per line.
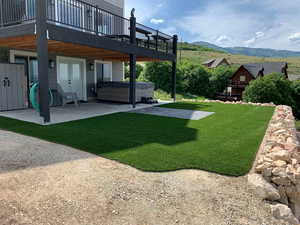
71,76
103,72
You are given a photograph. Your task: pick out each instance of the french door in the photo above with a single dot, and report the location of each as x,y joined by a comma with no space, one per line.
71,76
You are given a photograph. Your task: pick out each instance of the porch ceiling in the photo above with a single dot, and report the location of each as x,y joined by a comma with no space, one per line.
29,43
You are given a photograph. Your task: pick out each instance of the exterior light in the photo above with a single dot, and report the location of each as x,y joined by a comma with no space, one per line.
51,64
92,67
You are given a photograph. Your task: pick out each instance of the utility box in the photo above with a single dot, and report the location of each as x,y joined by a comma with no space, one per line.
12,87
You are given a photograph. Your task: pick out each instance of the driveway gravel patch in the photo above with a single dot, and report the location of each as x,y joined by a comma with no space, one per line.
46,183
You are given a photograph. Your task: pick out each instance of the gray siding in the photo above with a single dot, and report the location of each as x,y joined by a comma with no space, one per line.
117,7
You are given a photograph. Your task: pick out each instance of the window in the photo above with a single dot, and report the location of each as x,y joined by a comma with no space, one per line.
242,78
33,72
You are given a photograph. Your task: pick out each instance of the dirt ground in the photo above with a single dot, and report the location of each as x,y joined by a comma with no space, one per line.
45,183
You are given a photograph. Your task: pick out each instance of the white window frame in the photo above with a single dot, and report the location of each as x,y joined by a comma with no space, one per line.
244,78
84,81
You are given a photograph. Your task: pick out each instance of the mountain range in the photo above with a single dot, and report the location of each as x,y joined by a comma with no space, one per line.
259,52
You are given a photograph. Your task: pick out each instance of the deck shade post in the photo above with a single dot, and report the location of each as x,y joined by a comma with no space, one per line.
132,64
174,65
43,60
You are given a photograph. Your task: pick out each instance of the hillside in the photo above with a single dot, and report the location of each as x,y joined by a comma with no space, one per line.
260,52
201,56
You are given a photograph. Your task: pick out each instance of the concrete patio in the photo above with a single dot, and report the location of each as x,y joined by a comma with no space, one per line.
71,112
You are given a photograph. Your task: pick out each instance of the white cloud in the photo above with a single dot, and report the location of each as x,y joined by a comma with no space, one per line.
264,24
144,10
259,34
157,21
249,42
252,41
219,24
171,30
223,39
294,37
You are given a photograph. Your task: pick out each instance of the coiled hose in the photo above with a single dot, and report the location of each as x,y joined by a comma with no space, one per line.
33,97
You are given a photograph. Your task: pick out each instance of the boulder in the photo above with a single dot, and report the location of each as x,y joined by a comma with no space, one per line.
283,212
283,155
280,163
262,188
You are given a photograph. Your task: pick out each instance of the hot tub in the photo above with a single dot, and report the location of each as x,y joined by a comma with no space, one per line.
119,91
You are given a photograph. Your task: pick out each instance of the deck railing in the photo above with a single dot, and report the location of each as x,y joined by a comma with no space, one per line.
85,17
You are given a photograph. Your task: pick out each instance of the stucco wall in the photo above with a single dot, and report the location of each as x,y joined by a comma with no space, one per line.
117,71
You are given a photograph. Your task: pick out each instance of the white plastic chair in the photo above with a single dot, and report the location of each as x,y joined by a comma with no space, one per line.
67,97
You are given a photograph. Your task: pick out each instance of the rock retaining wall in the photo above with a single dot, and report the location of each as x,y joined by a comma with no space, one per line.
229,102
276,174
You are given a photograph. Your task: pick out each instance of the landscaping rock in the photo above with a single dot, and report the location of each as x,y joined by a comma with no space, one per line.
278,165
283,212
262,188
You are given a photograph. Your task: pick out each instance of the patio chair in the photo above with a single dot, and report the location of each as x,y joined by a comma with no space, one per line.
68,97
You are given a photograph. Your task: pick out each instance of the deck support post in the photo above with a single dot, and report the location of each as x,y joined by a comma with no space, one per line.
43,59
174,65
132,63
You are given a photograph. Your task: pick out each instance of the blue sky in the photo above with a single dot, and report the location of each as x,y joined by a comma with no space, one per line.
250,23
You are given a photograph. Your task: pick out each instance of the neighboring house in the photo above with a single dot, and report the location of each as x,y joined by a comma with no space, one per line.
252,71
294,77
214,63
78,45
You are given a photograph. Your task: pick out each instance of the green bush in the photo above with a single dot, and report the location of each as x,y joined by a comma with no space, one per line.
296,95
271,88
139,70
219,79
195,79
191,78
160,73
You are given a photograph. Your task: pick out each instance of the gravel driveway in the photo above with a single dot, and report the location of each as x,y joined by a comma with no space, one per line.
45,183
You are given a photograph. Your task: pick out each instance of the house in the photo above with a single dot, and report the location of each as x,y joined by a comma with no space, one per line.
252,71
214,63
294,77
76,45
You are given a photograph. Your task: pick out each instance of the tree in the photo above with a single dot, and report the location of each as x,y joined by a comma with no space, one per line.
296,95
139,70
195,79
219,79
160,73
270,88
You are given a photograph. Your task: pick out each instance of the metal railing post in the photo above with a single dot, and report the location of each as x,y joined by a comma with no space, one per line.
132,64
156,40
1,11
97,20
174,65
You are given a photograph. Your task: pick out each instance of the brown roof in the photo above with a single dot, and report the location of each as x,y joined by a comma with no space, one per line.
215,62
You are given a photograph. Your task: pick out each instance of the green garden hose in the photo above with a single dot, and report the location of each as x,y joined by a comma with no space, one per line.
33,97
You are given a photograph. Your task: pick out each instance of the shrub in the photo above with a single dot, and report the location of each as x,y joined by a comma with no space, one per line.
160,73
219,79
271,88
296,95
195,79
139,70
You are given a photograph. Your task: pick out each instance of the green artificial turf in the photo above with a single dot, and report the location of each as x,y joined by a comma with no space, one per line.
225,142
